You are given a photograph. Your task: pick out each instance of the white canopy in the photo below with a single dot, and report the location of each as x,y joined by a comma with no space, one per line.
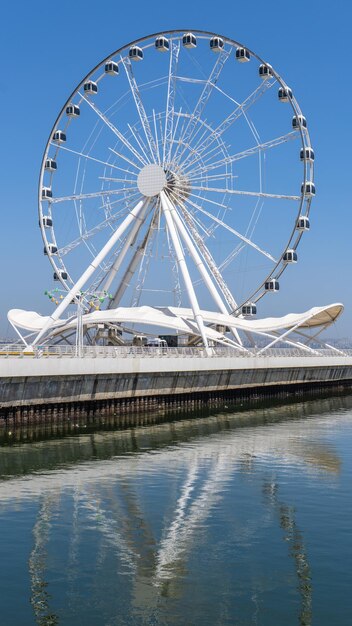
181,320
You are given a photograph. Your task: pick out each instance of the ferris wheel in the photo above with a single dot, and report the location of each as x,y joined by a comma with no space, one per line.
178,172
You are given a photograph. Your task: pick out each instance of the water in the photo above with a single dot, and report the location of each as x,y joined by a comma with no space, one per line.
235,518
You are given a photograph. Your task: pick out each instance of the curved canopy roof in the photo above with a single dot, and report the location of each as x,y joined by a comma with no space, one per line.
181,320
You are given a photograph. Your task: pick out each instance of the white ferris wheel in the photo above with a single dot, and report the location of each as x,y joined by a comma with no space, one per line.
179,173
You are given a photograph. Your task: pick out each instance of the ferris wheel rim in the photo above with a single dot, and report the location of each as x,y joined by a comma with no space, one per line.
295,237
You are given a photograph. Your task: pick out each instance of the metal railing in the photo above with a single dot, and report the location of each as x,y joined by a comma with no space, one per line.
122,352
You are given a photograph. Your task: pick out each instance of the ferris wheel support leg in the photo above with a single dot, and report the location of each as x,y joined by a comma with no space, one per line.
133,215
183,267
131,269
128,243
201,267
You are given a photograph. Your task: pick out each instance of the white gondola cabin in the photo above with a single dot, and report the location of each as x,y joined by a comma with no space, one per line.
90,88
284,94
290,256
50,249
303,223
216,44
189,40
242,55
249,309
50,165
265,71
307,154
111,68
47,221
272,285
135,53
299,121
308,189
73,110
162,44
59,136
47,194
60,275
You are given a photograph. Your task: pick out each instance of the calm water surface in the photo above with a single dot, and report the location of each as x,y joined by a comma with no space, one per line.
240,517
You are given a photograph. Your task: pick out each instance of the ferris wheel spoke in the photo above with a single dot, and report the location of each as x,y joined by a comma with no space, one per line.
196,220
88,233
217,150
205,199
204,129
121,156
156,136
200,245
95,194
233,231
226,262
90,158
210,83
116,180
204,176
140,109
170,101
115,130
257,194
139,142
235,115
273,143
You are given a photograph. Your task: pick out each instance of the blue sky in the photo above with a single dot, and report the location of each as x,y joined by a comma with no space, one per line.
47,48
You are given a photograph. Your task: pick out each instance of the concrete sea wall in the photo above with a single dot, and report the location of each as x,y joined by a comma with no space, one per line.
41,386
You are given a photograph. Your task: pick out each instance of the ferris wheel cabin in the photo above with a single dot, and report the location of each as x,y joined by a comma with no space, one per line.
242,55
47,194
303,223
111,68
90,88
216,44
46,221
284,94
135,53
189,40
162,44
60,275
73,110
290,256
308,189
249,309
272,285
307,154
59,136
265,71
50,165
50,249
299,121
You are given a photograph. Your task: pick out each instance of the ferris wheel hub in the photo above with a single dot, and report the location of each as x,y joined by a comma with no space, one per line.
151,180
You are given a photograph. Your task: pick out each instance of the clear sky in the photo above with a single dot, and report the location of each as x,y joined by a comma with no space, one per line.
47,48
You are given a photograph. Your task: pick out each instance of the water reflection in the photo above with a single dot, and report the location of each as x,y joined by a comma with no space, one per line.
59,445
37,565
296,547
147,525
